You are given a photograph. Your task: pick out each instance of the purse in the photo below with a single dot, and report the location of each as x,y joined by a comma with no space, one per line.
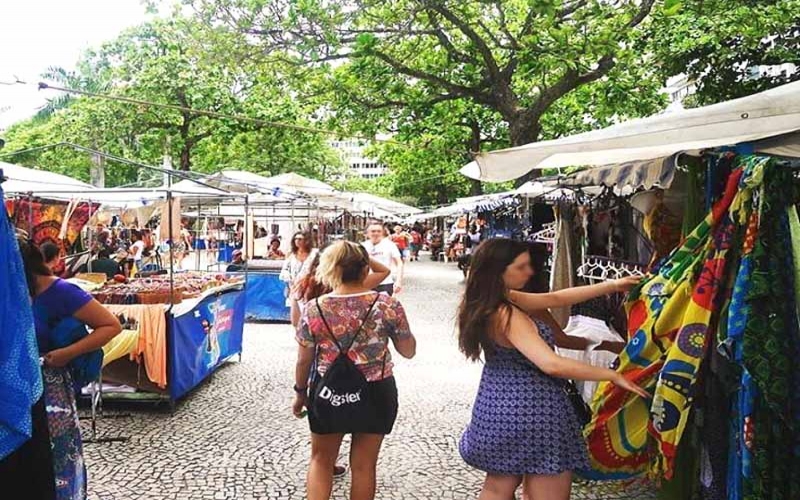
582,410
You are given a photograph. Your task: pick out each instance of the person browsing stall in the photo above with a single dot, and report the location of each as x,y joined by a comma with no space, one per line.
381,248
524,426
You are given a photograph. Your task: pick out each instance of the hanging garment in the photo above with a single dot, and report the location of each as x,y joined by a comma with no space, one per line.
771,345
26,459
563,274
740,435
43,221
595,331
20,377
152,339
668,321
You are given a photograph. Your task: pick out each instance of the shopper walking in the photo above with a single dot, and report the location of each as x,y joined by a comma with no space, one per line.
381,248
302,254
402,239
524,426
55,300
346,335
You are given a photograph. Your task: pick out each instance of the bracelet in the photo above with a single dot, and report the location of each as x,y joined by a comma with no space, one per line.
300,390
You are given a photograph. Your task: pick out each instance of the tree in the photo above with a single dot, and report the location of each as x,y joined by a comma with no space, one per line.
723,46
166,62
518,59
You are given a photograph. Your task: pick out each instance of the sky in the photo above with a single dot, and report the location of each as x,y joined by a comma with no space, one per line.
37,34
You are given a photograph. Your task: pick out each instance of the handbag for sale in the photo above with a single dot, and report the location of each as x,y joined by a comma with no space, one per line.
582,410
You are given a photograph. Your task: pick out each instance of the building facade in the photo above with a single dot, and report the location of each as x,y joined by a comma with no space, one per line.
352,151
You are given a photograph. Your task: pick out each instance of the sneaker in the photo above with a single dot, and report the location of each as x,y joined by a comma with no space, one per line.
339,471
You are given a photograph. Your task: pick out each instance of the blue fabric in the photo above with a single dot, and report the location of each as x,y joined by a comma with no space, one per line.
20,376
266,298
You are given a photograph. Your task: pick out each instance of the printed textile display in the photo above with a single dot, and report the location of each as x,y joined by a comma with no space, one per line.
20,376
668,321
43,220
729,289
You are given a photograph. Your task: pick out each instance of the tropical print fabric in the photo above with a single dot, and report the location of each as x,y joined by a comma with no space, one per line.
42,220
732,286
668,322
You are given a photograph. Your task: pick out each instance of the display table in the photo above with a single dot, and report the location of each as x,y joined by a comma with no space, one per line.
169,349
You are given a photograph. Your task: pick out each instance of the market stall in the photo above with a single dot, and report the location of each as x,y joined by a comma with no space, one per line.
180,326
712,331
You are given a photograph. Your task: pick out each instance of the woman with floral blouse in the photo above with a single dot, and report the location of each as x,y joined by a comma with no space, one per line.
355,321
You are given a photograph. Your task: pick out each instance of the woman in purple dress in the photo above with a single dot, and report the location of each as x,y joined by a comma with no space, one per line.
523,427
58,299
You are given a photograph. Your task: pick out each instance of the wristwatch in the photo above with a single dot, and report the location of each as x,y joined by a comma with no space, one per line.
300,390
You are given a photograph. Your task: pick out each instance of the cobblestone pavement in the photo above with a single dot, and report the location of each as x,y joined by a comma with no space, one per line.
235,437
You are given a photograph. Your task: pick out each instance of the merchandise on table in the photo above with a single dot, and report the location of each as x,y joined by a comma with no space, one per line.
158,290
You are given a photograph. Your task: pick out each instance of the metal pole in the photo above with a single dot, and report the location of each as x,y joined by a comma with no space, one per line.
197,249
171,242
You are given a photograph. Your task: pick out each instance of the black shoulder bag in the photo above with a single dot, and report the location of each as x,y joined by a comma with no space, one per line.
341,400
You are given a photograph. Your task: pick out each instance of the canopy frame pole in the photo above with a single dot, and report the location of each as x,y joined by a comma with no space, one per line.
196,246
170,202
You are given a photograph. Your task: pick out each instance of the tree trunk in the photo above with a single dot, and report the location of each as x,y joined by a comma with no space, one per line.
474,145
524,129
186,158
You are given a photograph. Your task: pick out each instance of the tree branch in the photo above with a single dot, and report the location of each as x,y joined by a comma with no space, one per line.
453,88
466,29
501,14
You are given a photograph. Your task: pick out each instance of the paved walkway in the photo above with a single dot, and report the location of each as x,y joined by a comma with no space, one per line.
235,437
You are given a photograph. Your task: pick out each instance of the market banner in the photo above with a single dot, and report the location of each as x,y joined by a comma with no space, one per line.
203,338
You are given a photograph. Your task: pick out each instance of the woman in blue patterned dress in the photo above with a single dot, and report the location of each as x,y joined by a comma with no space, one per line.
523,425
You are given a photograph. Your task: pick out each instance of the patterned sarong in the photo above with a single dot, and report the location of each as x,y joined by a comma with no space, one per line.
668,326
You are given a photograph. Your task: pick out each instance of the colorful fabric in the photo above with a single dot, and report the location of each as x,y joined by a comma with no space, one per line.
20,377
741,414
43,221
669,317
65,434
771,345
344,314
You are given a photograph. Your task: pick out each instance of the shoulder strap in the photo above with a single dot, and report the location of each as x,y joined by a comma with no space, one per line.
327,326
364,321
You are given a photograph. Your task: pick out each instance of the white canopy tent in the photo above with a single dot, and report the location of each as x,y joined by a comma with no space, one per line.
24,180
772,115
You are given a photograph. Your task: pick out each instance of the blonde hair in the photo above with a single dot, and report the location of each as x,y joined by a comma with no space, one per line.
342,262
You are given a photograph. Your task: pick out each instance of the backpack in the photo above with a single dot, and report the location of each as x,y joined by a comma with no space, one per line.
341,399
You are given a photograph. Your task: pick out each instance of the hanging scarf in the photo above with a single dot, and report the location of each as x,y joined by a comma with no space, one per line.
668,318
20,376
771,348
741,414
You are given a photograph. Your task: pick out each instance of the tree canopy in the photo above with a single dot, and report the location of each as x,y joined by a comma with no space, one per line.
164,62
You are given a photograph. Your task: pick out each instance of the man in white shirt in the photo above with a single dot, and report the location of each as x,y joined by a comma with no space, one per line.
384,251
